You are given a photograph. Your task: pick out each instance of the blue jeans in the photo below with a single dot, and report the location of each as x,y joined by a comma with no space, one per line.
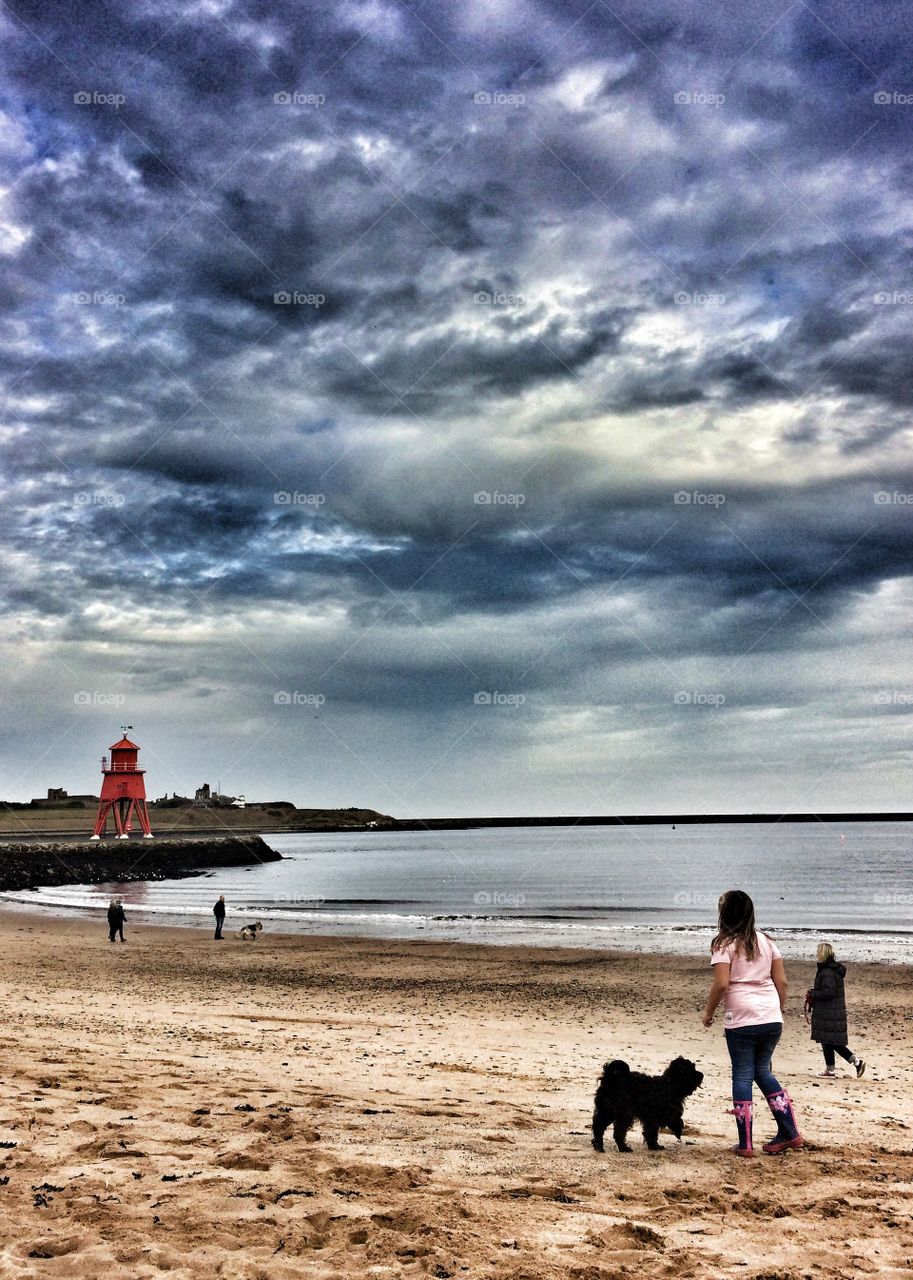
751,1049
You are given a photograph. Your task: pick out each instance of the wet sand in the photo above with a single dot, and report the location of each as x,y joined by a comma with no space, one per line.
336,1108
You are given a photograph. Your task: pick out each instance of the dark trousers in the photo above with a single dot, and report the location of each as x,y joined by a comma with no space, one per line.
830,1049
220,920
114,930
751,1049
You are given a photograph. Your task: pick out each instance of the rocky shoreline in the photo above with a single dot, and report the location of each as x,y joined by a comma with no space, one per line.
28,865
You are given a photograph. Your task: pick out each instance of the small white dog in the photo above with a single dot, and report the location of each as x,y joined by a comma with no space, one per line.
250,931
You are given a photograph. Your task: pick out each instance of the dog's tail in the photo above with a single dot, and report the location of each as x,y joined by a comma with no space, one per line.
616,1070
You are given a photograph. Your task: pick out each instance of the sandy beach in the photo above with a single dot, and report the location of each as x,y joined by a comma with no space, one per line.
337,1108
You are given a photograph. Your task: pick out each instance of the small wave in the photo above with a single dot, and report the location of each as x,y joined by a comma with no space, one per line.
574,920
642,936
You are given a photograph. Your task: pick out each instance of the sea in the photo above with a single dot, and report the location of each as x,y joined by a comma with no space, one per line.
644,888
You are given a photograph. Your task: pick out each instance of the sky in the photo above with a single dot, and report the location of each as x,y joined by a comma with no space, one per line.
459,406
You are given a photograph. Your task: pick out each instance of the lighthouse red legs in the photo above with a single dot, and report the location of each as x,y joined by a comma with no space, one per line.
123,791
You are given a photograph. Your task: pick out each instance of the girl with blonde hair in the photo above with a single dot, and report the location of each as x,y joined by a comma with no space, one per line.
828,1005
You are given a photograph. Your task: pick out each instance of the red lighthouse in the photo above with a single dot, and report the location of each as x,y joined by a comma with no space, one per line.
123,791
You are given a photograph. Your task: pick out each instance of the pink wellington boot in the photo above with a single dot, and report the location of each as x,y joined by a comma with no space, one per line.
742,1112
788,1136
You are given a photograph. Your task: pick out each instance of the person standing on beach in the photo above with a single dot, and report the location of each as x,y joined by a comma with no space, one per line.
116,918
828,1002
748,976
219,912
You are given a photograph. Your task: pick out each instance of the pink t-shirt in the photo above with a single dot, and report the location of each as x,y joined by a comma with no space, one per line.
751,998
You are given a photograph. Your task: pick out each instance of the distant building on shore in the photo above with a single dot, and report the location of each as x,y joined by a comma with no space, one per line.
59,798
205,798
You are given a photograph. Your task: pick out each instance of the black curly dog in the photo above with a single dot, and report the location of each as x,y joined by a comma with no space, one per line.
658,1102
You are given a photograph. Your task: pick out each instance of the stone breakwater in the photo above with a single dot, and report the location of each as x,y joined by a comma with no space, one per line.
55,862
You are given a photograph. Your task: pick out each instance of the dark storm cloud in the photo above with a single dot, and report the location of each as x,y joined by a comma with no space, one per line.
493,363
289,288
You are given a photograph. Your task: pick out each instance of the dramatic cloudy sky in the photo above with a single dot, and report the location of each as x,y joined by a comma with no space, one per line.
288,288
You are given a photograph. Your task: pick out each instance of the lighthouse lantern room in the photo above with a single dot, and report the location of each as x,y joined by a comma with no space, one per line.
123,791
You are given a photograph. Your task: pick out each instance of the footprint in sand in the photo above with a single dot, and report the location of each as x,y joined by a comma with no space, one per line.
50,1247
250,1159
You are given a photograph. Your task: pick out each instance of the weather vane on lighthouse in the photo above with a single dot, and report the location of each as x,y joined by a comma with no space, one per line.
123,790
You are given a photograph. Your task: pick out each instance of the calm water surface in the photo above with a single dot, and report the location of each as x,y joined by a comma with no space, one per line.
644,888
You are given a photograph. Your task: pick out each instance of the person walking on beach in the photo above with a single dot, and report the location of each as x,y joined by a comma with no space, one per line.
748,976
219,912
828,1004
116,918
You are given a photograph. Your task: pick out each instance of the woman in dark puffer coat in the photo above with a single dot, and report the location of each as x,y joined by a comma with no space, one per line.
828,1003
